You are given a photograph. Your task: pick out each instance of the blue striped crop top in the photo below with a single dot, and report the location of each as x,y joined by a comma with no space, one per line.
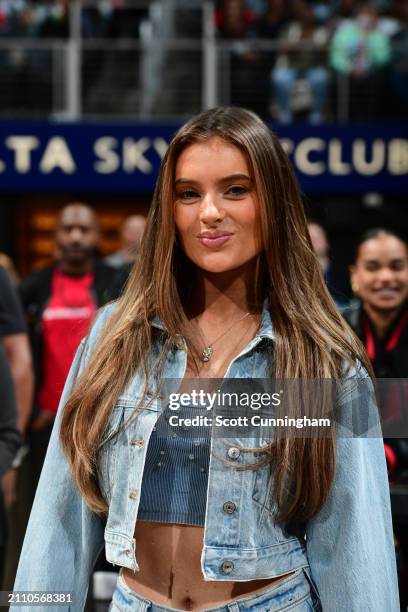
175,476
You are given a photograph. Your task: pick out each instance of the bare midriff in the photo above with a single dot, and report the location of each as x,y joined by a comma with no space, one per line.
170,570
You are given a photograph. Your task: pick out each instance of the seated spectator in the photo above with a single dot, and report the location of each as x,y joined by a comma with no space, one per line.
399,63
360,51
323,10
248,85
272,22
302,57
56,22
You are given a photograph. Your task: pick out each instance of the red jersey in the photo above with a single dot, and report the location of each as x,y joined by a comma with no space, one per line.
65,321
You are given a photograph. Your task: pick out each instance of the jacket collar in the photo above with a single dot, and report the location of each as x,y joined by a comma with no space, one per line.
265,330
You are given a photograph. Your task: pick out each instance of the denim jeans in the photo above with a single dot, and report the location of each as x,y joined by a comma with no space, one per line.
292,594
283,80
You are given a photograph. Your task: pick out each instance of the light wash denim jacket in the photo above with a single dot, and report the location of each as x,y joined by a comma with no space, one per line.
348,548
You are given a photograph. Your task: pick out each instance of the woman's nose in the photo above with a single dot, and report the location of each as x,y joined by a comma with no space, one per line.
385,275
210,211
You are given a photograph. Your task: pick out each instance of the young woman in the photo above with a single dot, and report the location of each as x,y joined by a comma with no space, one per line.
379,278
226,287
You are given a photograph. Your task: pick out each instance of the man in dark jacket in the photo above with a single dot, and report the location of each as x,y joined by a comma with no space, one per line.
10,440
16,387
60,302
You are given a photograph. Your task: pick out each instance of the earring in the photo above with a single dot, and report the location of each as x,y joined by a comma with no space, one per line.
355,287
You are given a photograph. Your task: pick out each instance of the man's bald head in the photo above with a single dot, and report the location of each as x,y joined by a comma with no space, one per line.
77,236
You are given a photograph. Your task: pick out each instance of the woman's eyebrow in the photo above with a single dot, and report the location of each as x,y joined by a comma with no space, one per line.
224,179
392,261
398,260
236,177
181,181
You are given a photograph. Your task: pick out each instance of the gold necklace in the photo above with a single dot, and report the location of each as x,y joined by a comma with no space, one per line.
208,351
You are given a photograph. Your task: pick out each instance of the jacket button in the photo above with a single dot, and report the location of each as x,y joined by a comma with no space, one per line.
139,443
128,552
133,495
229,507
233,452
227,567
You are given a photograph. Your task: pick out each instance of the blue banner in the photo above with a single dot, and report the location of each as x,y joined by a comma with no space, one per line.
125,157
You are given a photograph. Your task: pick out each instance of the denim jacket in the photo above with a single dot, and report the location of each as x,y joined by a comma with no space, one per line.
347,548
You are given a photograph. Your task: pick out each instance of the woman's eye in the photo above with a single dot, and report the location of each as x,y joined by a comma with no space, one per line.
371,267
236,191
187,194
396,266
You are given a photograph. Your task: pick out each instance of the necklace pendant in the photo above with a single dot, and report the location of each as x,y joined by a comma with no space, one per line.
206,353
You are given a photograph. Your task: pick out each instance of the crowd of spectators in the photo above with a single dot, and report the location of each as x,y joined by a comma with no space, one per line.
317,47
312,52
49,18
39,72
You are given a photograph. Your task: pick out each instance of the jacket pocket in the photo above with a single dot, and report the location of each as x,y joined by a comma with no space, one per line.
141,402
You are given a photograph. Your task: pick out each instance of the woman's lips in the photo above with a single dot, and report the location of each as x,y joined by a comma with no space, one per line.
214,241
388,293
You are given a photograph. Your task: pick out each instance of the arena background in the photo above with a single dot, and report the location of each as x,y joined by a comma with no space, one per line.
91,93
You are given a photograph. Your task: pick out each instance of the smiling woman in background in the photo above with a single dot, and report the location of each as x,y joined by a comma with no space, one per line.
226,286
379,278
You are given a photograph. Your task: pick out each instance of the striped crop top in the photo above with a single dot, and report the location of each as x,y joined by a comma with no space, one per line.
175,476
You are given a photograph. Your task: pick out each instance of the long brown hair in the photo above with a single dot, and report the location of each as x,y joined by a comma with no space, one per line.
312,339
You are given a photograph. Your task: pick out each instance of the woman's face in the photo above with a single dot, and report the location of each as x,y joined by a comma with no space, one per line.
380,274
216,206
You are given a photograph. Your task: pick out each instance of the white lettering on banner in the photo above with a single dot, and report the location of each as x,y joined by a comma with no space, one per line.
160,146
312,156
360,162
57,155
398,156
109,161
22,147
336,164
302,159
133,158
288,145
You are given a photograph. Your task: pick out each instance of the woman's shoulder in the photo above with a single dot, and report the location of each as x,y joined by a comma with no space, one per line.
102,315
354,369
